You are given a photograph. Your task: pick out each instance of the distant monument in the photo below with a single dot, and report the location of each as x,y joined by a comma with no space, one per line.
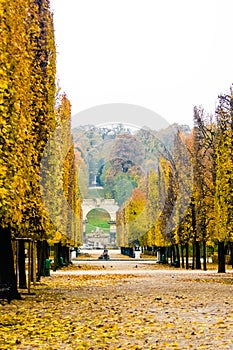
99,238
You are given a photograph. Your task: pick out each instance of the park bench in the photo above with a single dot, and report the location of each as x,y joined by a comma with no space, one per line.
5,292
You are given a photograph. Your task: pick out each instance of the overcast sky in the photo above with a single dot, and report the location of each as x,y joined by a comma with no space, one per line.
166,55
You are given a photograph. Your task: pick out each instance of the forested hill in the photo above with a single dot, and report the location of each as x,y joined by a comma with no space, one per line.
116,157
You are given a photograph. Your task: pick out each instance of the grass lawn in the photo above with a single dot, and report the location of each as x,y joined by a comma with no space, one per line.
98,218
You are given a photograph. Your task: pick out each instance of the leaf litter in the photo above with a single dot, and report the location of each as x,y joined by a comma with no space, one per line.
122,311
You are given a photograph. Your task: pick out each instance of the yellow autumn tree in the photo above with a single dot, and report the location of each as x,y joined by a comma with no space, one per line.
27,99
153,206
14,128
224,177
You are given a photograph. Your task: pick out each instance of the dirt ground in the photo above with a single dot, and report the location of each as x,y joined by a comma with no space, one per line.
121,305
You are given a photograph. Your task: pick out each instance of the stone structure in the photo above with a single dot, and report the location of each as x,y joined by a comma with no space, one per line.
99,239
111,207
99,203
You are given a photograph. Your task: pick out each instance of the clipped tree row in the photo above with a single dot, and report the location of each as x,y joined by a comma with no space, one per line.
28,121
189,199
145,216
223,204
59,186
27,118
210,147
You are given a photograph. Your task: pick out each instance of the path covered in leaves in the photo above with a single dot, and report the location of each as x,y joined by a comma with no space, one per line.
107,306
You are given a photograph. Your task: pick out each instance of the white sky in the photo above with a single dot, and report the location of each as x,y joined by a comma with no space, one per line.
164,55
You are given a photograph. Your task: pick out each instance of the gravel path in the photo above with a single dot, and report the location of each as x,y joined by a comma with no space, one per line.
122,305
143,306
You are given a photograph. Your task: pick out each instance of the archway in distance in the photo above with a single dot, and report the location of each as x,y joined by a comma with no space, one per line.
99,226
98,233
98,220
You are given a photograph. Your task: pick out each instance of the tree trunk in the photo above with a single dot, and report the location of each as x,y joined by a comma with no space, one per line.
21,265
171,253
231,254
204,256
182,255
7,272
68,255
153,250
163,255
194,226
193,258
60,254
187,255
177,255
33,262
198,255
42,254
221,257
39,260
56,257
65,255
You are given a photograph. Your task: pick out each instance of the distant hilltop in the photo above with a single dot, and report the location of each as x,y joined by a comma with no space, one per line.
113,158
